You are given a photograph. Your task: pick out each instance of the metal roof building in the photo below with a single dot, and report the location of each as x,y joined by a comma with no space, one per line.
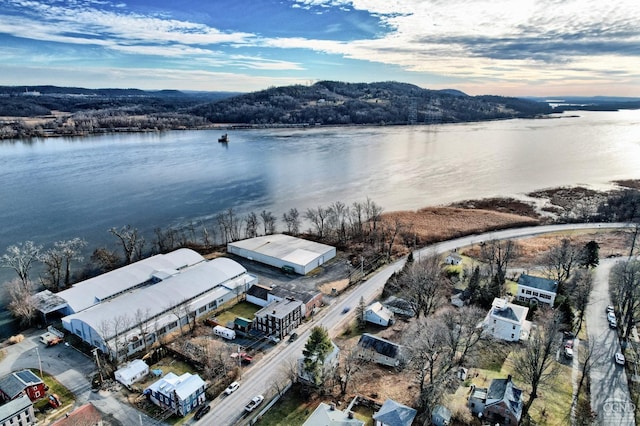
108,285
195,289
281,250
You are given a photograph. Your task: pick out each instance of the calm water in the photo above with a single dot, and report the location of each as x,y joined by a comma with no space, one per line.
63,188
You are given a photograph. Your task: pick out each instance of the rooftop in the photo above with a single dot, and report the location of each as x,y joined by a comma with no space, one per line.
285,247
538,282
279,309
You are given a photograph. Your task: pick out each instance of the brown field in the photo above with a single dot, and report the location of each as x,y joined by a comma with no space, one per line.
434,224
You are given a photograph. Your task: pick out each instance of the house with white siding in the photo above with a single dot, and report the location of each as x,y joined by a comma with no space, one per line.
507,321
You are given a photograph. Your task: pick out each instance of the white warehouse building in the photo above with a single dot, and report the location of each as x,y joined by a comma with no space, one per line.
132,320
284,251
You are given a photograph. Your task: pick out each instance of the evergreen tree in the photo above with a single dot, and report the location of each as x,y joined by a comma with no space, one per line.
316,349
591,254
474,285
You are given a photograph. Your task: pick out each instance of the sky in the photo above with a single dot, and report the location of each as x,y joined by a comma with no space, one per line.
500,47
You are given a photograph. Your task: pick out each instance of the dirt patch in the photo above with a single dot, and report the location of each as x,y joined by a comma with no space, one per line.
339,286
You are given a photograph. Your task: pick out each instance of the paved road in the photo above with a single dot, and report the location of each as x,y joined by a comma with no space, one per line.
609,386
260,378
73,370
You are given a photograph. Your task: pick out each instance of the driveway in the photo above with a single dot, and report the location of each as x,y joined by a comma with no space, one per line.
610,397
73,370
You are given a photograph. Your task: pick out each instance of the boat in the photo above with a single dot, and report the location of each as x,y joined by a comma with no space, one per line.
224,138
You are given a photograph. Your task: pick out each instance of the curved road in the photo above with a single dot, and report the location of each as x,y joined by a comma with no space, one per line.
229,410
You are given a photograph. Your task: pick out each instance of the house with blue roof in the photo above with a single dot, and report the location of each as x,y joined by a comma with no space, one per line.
393,413
536,290
180,394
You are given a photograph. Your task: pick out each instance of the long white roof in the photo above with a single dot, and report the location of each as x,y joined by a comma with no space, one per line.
90,292
157,298
184,385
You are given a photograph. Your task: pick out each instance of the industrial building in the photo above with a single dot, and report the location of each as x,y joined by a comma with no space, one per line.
168,300
284,251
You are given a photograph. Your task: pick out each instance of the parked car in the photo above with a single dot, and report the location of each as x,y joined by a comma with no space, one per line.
293,336
611,316
568,343
619,358
232,388
610,309
274,339
568,352
613,323
202,411
257,400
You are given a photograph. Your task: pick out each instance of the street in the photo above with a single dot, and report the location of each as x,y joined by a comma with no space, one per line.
609,387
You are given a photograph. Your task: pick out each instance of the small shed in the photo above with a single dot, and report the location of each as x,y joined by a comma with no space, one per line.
134,371
242,324
453,259
440,416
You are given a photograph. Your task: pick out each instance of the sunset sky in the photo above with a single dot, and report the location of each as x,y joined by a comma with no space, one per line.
501,47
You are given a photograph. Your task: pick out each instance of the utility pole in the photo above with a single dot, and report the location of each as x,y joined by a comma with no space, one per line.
39,362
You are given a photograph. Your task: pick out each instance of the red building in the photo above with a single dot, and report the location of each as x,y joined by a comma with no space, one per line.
22,382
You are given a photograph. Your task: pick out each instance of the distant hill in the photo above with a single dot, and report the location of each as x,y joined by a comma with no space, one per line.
81,111
337,103
590,103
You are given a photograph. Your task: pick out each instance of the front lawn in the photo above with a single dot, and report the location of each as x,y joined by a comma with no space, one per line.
291,410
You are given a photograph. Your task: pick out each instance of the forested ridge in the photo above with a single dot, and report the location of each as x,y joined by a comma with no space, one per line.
30,111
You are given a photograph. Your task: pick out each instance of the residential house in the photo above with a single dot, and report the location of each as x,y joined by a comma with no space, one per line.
327,369
393,413
21,382
18,412
86,414
440,416
329,415
279,319
258,295
538,290
453,259
181,394
500,404
376,313
507,321
379,350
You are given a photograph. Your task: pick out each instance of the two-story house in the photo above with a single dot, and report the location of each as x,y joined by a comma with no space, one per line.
541,291
507,321
180,394
500,404
279,318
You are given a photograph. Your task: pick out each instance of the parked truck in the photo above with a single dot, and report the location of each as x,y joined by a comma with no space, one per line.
52,336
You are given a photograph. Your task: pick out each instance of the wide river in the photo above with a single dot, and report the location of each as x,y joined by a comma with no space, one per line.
61,188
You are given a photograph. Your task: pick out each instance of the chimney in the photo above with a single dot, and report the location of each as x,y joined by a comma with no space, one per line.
332,407
274,312
509,378
350,415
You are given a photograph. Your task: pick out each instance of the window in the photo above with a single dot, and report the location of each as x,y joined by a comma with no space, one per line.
512,335
528,291
514,327
201,310
172,325
212,305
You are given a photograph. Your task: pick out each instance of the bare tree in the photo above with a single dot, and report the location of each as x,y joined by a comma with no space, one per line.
625,292
105,259
349,365
52,260
292,221
388,232
131,240
269,222
166,240
141,318
21,303
112,333
318,218
580,290
338,214
561,259
497,254
251,225
423,285
70,250
535,362
461,332
20,258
